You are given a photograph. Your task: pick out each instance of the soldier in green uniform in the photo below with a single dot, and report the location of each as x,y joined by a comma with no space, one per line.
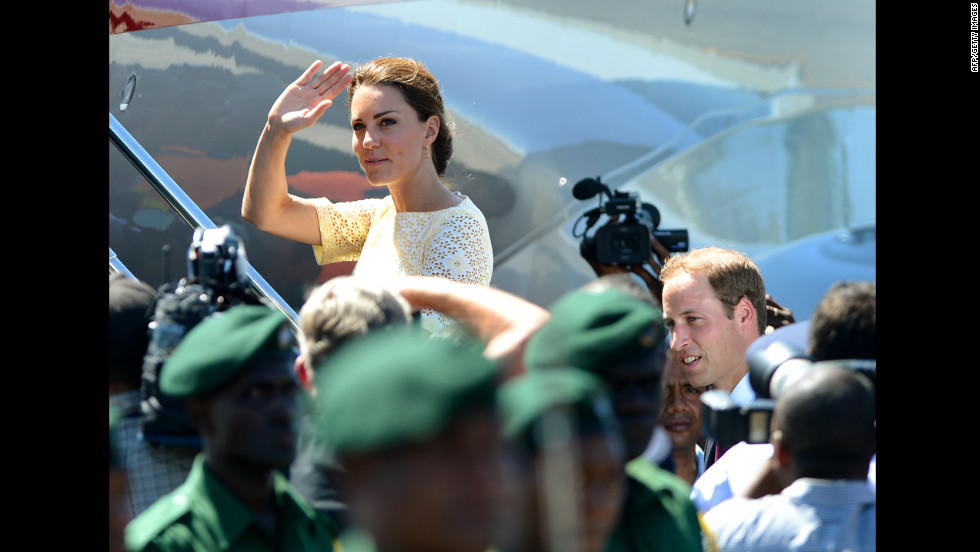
235,370
621,339
413,422
569,455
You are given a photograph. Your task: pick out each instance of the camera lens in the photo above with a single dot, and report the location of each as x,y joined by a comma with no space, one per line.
626,243
622,244
764,364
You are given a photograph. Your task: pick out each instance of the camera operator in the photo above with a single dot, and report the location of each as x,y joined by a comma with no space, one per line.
823,436
842,326
157,443
627,242
649,271
216,280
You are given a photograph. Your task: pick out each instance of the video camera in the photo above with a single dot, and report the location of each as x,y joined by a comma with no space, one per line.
217,279
628,242
771,371
216,260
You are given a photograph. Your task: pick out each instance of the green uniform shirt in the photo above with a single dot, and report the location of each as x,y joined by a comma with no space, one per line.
658,513
204,515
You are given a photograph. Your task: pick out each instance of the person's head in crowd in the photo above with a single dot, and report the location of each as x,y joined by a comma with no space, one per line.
131,305
342,308
843,323
414,423
714,303
813,493
406,88
616,337
118,489
823,425
560,419
841,326
235,372
680,416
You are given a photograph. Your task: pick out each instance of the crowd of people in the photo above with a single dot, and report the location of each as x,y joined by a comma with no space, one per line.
368,433
418,408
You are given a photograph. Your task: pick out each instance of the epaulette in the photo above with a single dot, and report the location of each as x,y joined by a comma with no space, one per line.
163,513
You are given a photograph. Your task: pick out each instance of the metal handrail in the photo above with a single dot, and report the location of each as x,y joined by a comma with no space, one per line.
184,206
116,265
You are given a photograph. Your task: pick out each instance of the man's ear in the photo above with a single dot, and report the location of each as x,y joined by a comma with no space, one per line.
780,455
745,314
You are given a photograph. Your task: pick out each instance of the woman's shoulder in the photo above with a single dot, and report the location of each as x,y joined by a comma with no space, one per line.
465,203
465,216
466,207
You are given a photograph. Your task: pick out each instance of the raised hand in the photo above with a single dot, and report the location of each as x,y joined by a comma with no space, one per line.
309,96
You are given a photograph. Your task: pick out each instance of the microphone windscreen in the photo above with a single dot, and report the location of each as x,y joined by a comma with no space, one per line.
586,188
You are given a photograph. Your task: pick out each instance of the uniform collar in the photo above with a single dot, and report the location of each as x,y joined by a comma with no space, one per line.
229,515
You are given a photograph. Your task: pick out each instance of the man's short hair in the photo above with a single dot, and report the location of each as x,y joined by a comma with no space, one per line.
731,274
342,308
826,421
131,304
842,325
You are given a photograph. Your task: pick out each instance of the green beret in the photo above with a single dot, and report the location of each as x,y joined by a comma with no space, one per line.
396,386
524,400
221,346
591,330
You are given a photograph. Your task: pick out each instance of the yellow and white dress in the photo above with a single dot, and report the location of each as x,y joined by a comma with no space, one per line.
452,243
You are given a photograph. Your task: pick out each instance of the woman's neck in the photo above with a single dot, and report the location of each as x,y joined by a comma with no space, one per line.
422,191
425,196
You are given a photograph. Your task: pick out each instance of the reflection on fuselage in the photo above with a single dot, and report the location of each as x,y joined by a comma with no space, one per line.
740,133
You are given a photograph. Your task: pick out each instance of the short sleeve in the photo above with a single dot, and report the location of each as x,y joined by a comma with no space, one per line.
343,228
